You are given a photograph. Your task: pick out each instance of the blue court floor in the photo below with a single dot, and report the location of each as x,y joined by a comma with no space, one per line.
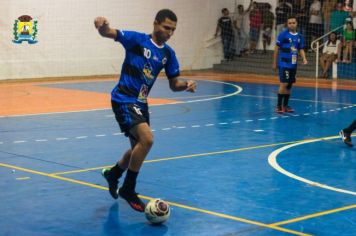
225,162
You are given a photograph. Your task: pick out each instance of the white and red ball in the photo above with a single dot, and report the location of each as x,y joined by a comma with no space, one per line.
157,211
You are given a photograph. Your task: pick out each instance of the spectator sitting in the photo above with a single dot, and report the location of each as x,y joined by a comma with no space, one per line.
330,53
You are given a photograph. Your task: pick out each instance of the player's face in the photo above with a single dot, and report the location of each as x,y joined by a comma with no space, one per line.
292,24
164,30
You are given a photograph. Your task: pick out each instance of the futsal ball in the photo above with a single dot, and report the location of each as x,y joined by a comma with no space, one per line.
157,211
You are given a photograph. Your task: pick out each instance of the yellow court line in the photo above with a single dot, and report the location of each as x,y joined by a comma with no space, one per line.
53,176
81,170
275,227
22,178
315,215
184,156
194,155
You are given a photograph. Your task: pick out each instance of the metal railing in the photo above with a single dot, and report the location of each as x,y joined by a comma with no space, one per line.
315,46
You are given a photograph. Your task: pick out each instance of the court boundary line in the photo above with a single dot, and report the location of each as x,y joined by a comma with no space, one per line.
184,156
275,227
272,161
238,90
314,215
290,143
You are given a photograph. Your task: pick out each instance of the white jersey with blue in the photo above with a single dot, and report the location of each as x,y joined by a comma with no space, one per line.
289,45
143,62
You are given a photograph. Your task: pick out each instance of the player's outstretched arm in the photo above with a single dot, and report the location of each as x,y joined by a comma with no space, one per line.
102,25
181,85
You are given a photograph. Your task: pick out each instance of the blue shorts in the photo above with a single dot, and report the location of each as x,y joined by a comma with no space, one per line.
287,75
128,115
254,34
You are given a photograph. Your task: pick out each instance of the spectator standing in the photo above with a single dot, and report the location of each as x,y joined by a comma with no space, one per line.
241,35
315,20
338,18
283,10
301,10
255,26
225,27
267,22
328,6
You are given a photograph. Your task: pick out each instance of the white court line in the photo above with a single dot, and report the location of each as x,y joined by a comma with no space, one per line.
238,90
41,140
272,160
20,141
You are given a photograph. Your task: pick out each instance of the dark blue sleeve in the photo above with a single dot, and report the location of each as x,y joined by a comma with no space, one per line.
129,39
301,44
172,66
280,39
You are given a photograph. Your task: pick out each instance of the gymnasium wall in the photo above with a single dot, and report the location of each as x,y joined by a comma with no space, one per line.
69,45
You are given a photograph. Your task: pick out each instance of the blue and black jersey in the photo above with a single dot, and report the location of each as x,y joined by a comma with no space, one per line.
143,62
289,45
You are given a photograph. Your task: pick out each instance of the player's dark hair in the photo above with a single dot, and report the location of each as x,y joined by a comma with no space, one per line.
165,13
292,17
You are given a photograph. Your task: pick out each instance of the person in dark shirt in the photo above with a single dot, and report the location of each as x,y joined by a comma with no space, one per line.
146,55
288,45
225,27
283,10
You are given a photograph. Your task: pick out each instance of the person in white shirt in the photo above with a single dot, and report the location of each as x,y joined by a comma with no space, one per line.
330,54
315,20
239,19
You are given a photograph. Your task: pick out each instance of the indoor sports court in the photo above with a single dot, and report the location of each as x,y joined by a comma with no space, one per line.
223,159
225,162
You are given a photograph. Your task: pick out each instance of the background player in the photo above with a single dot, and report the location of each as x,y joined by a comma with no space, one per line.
146,56
288,44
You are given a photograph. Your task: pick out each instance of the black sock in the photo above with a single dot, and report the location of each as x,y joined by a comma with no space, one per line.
280,98
116,171
286,99
130,180
351,127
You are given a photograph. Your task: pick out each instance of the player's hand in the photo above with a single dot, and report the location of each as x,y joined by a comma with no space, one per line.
191,86
305,61
100,21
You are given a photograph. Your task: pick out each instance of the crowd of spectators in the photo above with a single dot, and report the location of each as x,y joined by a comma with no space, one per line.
315,19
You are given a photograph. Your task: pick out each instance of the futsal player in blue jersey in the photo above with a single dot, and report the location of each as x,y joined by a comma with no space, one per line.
288,47
146,56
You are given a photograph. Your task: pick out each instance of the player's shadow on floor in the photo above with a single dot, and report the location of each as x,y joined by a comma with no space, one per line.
111,226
